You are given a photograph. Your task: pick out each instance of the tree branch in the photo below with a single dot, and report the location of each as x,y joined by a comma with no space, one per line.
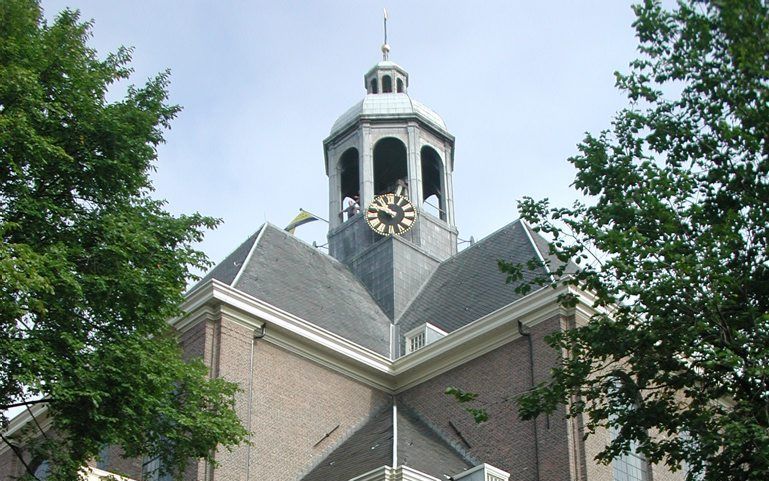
19,455
25,403
39,427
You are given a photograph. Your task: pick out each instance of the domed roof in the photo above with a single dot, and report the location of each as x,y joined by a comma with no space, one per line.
389,106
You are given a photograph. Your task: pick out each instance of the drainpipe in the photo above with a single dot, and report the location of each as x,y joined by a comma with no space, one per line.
525,332
215,346
256,336
395,434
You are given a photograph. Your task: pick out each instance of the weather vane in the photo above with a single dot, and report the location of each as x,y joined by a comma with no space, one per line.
385,46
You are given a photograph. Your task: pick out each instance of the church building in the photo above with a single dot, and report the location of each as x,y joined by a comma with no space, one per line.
343,358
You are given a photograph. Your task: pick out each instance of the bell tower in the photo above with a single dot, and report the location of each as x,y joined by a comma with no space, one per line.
388,142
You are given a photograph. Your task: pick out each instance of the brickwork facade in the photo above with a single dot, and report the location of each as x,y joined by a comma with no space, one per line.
296,404
10,466
504,441
288,403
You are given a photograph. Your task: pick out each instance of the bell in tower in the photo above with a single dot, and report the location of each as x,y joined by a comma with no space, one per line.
389,161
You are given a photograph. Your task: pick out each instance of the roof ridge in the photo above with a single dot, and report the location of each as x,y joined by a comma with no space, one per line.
363,424
414,416
451,259
250,253
332,260
540,254
305,243
480,242
396,322
215,266
237,246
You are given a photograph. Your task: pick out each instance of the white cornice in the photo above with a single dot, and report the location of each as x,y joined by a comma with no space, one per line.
213,300
16,427
333,351
281,325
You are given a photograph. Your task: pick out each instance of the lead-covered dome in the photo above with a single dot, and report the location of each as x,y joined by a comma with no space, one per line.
388,106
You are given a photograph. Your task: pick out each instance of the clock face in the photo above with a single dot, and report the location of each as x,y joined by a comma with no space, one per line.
390,214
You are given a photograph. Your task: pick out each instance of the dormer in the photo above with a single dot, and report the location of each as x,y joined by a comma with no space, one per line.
421,336
482,472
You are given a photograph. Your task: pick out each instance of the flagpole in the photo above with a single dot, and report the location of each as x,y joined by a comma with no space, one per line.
316,216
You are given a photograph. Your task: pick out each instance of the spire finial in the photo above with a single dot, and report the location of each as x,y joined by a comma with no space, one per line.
385,46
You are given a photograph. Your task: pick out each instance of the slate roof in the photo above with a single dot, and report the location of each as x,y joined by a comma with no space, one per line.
276,267
469,285
371,447
552,261
423,449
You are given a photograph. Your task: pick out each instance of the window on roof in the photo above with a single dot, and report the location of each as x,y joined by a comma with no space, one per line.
415,342
399,83
421,336
387,84
374,86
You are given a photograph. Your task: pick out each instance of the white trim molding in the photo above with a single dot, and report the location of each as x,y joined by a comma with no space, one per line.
401,473
405,473
482,472
215,299
16,432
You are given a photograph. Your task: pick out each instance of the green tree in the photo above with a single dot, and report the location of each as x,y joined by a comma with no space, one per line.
91,267
674,242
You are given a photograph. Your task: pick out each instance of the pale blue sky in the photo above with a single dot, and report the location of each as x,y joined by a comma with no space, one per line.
261,83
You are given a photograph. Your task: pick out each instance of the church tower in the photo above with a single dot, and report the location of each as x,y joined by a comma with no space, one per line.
389,143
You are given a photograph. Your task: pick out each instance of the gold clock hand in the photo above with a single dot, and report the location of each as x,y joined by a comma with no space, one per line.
386,209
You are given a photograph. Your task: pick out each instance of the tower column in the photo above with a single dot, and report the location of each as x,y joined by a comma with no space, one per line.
414,167
334,205
367,167
449,183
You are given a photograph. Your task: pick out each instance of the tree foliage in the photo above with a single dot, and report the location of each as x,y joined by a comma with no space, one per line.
91,267
674,242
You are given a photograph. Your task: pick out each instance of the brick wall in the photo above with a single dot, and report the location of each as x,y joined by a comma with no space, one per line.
295,404
289,402
504,441
10,467
116,463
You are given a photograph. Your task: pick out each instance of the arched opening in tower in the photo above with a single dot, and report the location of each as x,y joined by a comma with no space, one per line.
433,198
387,84
374,88
399,84
390,166
349,181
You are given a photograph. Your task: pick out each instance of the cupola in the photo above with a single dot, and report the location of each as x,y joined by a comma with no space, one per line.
389,145
386,77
